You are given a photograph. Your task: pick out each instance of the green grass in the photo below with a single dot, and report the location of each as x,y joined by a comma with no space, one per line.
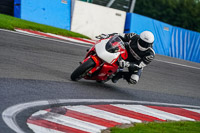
168,127
10,23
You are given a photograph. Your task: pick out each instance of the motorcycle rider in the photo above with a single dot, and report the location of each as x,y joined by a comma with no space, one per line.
140,54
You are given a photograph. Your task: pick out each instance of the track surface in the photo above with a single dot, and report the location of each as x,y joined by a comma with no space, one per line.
33,69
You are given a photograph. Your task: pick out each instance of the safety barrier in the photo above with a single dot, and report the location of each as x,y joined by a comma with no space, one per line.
185,44
169,40
92,20
55,13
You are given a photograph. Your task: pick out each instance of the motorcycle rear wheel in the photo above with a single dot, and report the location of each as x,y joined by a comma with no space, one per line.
82,69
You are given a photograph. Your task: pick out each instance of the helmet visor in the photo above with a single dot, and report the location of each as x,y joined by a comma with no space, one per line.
144,44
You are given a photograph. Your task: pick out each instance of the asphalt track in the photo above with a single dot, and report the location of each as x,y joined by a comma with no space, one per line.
33,68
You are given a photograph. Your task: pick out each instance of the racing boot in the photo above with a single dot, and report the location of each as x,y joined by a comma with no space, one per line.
117,77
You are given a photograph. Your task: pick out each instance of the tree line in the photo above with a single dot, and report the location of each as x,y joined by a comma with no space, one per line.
181,13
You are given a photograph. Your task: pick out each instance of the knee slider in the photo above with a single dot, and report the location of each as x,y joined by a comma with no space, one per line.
134,78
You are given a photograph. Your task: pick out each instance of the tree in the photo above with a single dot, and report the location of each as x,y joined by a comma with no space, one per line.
181,13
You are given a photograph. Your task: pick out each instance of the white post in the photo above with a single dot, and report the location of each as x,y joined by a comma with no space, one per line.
110,3
132,6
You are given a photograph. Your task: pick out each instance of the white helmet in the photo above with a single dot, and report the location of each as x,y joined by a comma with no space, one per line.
146,40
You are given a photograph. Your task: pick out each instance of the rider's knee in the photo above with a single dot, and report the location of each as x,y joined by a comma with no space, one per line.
134,79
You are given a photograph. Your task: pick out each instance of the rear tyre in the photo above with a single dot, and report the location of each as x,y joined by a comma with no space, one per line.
82,69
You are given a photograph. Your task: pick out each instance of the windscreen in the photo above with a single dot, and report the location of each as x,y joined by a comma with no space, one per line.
114,44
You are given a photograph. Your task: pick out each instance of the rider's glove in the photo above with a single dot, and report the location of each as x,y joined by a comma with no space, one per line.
123,63
103,36
135,66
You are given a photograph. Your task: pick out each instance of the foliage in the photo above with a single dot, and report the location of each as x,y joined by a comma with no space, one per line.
181,13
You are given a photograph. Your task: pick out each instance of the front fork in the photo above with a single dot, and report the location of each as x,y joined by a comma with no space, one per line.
97,61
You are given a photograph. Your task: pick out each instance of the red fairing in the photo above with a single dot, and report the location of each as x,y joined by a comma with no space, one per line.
98,62
90,52
124,54
103,71
107,70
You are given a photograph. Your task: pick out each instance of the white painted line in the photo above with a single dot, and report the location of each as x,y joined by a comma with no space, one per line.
49,38
27,33
68,39
93,41
154,112
74,39
70,122
39,129
173,63
193,110
46,38
102,114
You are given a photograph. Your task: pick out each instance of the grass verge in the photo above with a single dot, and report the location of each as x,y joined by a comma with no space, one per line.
167,127
10,23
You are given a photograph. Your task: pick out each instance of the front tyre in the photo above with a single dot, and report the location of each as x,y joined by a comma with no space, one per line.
82,69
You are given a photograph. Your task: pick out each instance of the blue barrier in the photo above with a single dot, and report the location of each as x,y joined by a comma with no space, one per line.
185,44
17,8
169,40
55,13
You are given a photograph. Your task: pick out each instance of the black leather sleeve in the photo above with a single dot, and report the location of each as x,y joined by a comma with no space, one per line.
133,66
129,36
112,34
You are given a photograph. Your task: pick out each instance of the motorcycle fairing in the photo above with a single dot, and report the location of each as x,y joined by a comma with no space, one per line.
105,59
104,54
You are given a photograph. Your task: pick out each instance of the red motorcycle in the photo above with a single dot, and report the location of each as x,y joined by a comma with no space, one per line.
101,61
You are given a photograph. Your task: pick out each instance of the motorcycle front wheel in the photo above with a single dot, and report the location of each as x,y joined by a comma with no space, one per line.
82,69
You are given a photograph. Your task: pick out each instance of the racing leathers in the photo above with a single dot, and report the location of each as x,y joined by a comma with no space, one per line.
136,61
